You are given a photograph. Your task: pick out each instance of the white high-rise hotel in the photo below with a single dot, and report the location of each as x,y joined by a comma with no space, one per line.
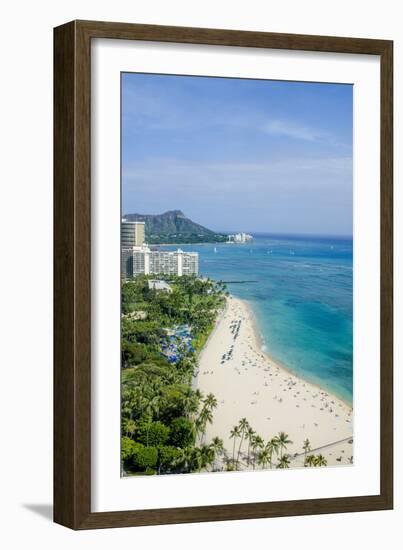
138,258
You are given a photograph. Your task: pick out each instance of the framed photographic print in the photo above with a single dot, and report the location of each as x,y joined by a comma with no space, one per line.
223,275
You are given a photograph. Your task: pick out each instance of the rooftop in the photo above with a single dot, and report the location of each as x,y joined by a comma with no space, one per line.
155,284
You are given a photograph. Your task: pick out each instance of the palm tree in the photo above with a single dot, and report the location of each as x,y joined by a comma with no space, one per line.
198,394
211,401
263,457
130,401
217,446
243,426
273,447
129,426
199,397
257,443
151,406
207,456
320,460
235,432
206,416
283,441
191,401
196,462
284,462
250,432
306,447
229,464
200,425
186,458
310,461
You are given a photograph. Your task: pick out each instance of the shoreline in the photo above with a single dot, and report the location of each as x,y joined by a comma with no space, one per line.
248,382
261,343
219,317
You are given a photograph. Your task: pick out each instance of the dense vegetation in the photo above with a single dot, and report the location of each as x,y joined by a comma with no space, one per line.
174,227
163,418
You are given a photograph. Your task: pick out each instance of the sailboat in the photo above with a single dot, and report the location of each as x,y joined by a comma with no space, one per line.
215,250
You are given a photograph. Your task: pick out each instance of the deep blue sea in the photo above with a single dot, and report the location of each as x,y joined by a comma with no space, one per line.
302,297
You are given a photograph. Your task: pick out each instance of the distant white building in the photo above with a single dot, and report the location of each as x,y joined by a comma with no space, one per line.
240,238
154,284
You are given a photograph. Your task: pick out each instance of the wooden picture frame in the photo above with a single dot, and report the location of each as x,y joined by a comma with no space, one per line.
72,271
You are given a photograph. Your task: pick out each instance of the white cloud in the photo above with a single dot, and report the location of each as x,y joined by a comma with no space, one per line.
292,130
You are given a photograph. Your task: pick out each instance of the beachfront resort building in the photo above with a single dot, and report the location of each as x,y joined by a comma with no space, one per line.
141,259
144,260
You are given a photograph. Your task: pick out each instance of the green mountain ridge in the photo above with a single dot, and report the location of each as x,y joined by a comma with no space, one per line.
174,227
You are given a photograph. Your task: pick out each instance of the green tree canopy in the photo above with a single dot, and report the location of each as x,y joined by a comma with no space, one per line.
127,448
182,432
168,458
152,434
144,457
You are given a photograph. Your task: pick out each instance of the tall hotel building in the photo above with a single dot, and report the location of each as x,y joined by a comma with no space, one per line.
133,234
138,258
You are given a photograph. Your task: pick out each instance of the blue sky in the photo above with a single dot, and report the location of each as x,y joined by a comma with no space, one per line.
239,154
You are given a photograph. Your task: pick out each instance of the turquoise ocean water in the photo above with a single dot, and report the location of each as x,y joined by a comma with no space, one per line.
301,291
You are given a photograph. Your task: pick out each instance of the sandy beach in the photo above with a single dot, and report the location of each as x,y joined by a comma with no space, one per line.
248,383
